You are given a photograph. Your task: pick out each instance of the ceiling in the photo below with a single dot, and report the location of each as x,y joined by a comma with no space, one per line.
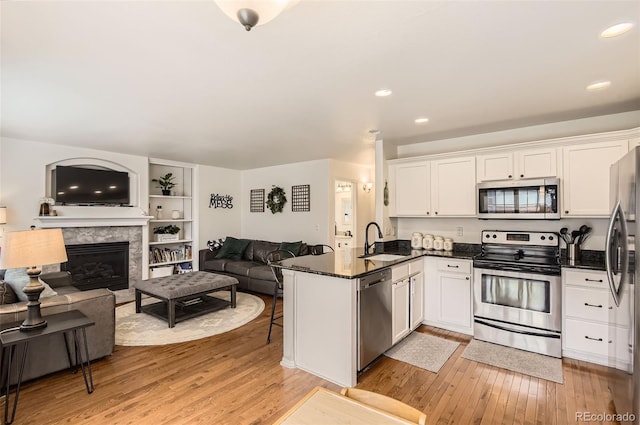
180,80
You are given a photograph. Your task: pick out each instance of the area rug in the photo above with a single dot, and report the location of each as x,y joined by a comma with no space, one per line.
424,351
143,329
525,362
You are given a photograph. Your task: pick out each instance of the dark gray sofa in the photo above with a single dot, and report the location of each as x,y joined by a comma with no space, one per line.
48,354
252,271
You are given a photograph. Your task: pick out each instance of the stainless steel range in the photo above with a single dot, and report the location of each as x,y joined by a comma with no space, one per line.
517,291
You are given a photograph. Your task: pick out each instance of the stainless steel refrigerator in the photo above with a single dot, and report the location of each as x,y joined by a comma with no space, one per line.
623,272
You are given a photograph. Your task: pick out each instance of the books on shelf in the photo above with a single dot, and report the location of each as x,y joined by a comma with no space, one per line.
167,255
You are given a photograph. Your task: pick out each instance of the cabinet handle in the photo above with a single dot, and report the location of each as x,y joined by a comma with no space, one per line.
467,277
510,176
566,212
453,267
436,212
593,305
593,280
521,175
427,212
593,339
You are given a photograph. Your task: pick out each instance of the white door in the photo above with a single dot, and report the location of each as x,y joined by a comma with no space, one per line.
495,166
400,316
455,299
412,191
585,177
537,163
417,300
453,187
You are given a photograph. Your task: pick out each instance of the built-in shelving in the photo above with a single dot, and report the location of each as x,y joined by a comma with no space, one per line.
181,203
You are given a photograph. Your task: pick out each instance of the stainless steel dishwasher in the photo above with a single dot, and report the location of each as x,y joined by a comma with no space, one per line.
374,316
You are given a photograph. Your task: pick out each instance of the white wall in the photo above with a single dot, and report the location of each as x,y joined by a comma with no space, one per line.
601,124
23,179
216,223
311,227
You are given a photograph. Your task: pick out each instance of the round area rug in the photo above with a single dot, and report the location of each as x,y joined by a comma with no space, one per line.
143,329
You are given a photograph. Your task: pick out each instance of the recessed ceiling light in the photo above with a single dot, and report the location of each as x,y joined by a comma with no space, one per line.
616,30
374,132
599,85
421,120
383,93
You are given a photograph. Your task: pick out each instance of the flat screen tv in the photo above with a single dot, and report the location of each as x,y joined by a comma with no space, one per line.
88,186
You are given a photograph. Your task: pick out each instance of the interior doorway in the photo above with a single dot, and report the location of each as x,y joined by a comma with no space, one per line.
345,214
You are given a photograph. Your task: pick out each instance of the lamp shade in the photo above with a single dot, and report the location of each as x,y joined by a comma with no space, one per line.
3,215
29,248
265,9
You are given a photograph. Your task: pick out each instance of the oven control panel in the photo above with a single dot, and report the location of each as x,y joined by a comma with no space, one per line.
520,238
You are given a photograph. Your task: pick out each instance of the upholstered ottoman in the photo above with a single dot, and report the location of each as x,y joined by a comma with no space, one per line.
184,296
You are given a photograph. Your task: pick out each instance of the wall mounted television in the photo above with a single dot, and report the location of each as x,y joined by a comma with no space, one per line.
89,186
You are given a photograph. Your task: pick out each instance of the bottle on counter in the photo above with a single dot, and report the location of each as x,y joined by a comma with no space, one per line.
448,244
416,240
427,242
438,243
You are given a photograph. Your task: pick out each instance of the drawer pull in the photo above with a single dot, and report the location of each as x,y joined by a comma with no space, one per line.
593,280
593,305
593,339
453,267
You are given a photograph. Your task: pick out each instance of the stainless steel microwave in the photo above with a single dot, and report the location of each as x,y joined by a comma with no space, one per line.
519,199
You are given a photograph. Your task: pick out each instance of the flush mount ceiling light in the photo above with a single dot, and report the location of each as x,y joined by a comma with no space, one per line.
616,30
421,120
251,13
598,85
383,93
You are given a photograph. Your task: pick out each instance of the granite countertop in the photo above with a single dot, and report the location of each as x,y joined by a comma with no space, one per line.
589,260
347,264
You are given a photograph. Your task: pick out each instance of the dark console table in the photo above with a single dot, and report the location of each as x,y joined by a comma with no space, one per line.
62,323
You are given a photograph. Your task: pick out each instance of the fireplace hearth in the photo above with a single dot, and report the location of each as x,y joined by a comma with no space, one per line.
98,265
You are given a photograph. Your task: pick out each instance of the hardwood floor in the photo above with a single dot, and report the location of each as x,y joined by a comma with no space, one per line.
235,378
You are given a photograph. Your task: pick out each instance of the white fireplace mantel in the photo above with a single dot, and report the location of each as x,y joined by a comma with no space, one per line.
68,221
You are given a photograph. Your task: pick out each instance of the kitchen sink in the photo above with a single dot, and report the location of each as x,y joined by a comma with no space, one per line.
383,257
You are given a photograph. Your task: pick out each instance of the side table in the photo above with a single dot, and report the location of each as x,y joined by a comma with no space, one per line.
11,337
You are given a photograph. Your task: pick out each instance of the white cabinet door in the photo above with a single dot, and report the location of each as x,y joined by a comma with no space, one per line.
417,300
400,311
455,299
536,163
585,177
453,187
412,190
495,166
634,142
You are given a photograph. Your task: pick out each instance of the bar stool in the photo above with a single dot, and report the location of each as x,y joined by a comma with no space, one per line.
274,257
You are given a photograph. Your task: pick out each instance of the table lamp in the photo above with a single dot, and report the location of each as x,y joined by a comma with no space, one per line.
33,248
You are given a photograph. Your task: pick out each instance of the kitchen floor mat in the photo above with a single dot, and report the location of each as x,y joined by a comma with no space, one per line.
424,351
525,362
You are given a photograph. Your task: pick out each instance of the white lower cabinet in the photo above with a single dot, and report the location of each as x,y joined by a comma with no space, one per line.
593,328
448,295
407,298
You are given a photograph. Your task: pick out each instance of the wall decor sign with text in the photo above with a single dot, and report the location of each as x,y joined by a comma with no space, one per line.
220,201
256,200
301,198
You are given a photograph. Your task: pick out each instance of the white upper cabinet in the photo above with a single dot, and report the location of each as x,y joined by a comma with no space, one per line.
410,182
519,164
585,177
453,187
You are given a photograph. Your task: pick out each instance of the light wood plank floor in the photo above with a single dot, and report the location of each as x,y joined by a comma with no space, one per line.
235,378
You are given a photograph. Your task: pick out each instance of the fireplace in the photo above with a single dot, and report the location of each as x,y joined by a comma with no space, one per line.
98,265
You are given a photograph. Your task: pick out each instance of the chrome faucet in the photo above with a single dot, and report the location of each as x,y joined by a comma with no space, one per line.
366,237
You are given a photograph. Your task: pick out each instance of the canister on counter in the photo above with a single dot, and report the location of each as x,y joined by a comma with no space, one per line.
416,240
438,243
427,242
448,244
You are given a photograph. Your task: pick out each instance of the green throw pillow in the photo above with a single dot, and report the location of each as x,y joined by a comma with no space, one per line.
233,248
291,246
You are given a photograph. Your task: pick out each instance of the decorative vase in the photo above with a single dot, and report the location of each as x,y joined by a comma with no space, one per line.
166,192
175,214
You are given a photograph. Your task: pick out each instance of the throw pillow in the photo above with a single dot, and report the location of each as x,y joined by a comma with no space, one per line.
7,296
233,248
292,246
18,279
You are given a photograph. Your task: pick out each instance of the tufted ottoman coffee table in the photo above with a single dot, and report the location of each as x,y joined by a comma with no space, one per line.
184,296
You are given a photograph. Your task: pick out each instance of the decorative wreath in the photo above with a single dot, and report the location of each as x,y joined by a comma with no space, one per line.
276,199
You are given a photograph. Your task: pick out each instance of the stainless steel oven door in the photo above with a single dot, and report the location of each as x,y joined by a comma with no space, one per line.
527,299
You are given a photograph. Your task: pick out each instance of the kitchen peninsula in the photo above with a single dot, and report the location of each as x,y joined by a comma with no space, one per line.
321,302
